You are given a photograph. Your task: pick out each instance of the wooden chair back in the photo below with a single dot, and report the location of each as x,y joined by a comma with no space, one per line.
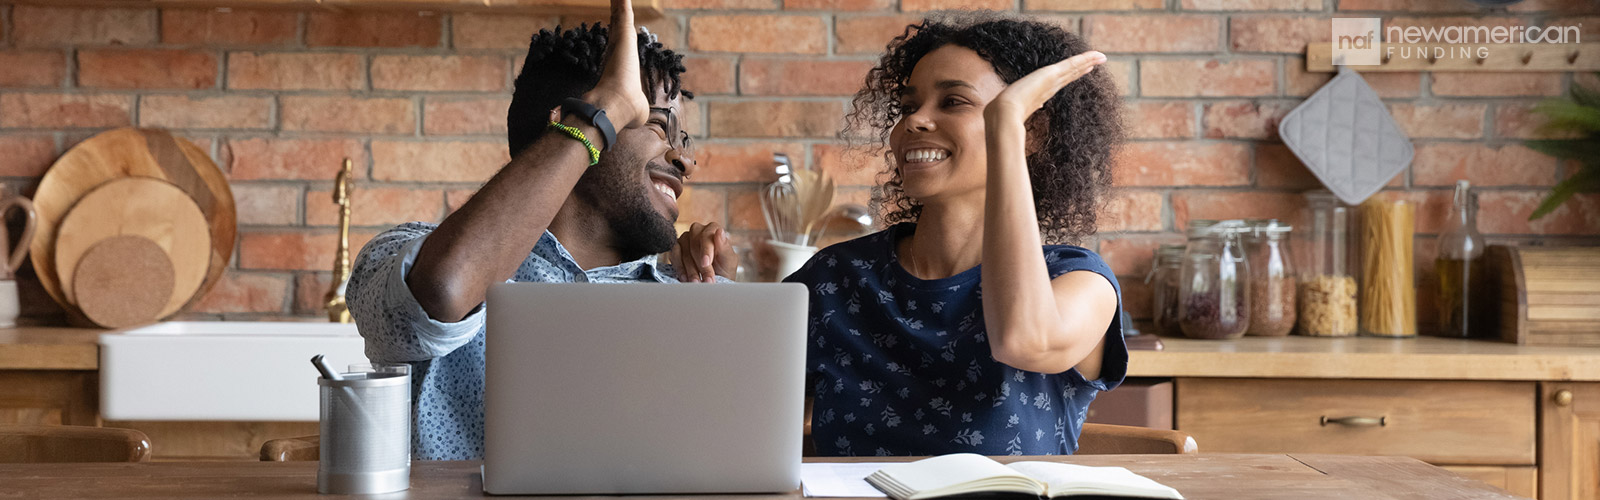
295,449
24,444
1106,439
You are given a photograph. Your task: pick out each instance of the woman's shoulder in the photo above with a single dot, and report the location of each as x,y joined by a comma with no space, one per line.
1062,259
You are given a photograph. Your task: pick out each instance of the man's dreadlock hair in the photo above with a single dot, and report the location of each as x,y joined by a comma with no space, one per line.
566,63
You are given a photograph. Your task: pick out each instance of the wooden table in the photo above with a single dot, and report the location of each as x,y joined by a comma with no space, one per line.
1198,477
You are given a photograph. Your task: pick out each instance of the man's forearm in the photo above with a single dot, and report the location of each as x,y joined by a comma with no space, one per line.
484,241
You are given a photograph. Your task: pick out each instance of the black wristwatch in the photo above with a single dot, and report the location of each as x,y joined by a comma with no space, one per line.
596,116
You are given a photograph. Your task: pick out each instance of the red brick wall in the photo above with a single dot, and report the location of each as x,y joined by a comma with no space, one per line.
418,101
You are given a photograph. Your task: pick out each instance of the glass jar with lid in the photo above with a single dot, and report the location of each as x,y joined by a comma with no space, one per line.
1214,288
1327,287
1165,272
1272,278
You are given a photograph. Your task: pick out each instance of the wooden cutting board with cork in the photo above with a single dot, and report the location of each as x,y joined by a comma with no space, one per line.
1547,295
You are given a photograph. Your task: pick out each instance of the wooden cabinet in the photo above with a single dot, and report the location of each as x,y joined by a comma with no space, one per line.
1569,459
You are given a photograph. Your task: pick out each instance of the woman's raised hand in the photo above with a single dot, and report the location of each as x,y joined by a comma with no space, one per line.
1024,96
618,92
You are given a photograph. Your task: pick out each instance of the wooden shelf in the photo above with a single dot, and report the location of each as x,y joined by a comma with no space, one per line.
1505,57
643,9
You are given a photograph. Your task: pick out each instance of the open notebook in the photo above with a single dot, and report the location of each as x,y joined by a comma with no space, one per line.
966,473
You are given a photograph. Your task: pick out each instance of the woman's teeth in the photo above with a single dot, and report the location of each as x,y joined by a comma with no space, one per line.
926,155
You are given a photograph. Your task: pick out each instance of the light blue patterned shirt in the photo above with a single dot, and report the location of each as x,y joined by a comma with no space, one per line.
447,358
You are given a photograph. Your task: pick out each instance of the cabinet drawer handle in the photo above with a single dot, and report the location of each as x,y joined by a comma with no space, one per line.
1356,421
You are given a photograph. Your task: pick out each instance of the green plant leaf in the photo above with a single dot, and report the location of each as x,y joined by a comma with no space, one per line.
1569,116
1585,96
1575,149
1586,178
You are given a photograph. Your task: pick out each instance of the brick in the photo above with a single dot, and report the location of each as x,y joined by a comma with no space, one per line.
1445,121
294,250
239,292
1407,5
752,33
1121,74
1132,255
1496,84
365,28
1278,168
230,112
147,69
454,161
1245,120
267,204
36,26
1088,5
1188,205
465,116
1182,163
348,114
292,71
1518,121
931,5
1506,212
701,204
32,68
46,110
758,76
693,118
1556,6
310,289
722,4
868,34
212,27
439,73
1207,77
838,5
744,211
786,119
384,206
850,166
1441,164
709,75
1232,5
497,31
26,155
668,29
743,162
1160,120
1128,210
1153,33
1277,34
455,198
292,159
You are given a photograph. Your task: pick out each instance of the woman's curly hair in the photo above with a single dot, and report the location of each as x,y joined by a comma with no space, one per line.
1071,138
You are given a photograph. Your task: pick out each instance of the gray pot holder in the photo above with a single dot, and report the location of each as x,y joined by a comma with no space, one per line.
1346,137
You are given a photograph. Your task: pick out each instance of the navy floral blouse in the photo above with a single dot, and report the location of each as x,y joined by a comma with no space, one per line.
901,366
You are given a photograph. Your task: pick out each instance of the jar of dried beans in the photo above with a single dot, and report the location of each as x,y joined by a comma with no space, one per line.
1214,292
1272,278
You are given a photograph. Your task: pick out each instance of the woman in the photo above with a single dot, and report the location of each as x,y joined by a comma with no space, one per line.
951,331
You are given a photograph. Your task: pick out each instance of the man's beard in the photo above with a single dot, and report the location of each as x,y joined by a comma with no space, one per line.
637,229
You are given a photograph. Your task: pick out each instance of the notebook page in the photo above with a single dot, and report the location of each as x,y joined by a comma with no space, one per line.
946,471
838,480
1070,479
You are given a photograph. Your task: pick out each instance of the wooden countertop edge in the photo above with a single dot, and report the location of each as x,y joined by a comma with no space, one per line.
1365,365
50,357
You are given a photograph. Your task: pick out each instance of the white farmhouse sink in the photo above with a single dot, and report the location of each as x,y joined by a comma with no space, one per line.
220,370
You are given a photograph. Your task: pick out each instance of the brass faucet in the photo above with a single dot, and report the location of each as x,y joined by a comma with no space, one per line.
334,302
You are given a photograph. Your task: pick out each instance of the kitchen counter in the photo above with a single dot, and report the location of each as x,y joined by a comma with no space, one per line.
49,348
1421,358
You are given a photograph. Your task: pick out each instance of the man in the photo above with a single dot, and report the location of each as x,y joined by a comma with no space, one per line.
559,212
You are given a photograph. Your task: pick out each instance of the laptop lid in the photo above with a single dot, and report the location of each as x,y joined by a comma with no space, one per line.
644,388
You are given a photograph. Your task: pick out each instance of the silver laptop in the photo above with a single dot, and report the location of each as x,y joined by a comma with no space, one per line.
644,388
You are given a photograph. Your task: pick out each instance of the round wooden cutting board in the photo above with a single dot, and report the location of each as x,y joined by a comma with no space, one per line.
123,281
138,206
132,152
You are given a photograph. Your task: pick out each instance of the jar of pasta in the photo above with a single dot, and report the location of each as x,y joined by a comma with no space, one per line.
1214,291
1327,287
